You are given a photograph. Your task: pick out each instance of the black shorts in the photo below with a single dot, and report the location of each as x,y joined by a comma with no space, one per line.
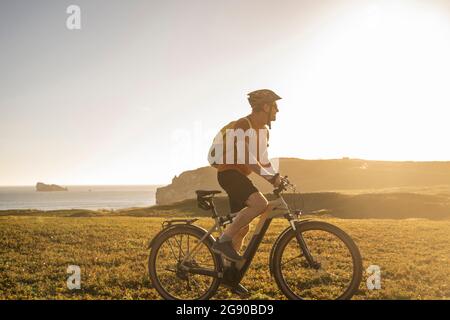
237,186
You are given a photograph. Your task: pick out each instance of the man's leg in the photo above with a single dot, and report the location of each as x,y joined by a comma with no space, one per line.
239,238
256,205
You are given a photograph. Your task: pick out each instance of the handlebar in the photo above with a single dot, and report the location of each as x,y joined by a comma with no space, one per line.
285,183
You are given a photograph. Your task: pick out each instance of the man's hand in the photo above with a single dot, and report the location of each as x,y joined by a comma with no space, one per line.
275,180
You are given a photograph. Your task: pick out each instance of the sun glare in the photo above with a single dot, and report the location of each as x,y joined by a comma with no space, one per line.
376,77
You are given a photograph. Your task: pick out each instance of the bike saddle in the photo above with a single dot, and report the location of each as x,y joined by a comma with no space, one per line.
204,193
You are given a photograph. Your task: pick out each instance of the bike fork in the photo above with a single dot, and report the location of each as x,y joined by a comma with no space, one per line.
304,248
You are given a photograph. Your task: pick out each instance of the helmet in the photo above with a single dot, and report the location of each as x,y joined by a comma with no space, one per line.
259,97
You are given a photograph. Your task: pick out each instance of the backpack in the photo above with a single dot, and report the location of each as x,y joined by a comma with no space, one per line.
218,144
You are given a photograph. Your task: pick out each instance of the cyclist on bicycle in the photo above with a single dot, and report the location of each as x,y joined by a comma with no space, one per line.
244,197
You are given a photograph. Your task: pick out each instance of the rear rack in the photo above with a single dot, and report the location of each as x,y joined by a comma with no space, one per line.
169,223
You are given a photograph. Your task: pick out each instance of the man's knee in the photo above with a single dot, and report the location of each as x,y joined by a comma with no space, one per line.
258,202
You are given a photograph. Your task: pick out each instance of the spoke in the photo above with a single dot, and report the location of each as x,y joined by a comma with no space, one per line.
196,253
291,260
196,283
179,246
188,285
171,270
171,248
323,271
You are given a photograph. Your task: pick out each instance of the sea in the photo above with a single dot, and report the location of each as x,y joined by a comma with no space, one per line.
78,197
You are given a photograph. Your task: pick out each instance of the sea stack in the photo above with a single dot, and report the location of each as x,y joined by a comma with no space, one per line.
42,187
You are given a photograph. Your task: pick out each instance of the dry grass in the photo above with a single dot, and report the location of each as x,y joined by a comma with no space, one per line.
112,252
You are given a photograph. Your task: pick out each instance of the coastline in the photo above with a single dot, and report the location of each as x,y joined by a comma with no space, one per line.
86,197
394,205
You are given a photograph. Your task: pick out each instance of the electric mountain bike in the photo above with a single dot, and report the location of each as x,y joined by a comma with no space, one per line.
309,260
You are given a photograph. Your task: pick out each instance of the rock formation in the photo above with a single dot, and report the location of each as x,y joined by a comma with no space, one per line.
42,187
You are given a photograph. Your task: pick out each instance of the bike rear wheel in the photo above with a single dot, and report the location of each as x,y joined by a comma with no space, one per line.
170,277
337,269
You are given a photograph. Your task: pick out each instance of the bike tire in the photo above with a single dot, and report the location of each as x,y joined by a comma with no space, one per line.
317,226
161,239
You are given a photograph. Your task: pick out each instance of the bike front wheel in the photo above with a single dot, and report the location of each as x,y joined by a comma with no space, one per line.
317,261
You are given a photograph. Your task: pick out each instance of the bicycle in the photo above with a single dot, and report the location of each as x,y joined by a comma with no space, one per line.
328,263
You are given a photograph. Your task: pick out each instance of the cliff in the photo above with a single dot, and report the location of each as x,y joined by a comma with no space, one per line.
323,175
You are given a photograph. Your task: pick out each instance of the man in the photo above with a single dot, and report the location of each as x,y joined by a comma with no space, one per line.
244,197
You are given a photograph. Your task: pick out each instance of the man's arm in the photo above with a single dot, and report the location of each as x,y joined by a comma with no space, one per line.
264,169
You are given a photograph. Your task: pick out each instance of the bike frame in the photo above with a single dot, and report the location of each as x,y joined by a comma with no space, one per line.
276,208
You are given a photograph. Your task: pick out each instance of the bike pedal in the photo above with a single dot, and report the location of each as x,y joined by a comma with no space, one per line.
238,289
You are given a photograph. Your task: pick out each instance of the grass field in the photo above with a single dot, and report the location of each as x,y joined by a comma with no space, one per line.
413,254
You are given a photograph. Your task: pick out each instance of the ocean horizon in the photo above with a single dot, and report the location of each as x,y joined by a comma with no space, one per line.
92,197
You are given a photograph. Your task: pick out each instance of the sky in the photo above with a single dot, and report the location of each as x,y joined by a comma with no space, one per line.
138,93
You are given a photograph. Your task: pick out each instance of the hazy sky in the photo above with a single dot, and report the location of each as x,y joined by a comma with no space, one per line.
138,93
